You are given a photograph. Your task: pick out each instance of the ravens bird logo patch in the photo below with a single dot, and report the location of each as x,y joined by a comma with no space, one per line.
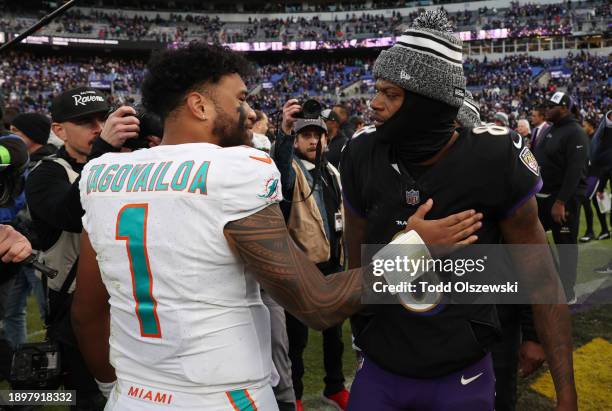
530,161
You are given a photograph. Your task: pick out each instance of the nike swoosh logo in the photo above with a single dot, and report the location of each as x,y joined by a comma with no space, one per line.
266,160
579,146
469,380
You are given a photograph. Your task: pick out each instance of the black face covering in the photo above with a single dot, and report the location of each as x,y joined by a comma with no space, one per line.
420,128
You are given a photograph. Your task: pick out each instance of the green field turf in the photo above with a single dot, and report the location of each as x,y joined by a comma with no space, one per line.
596,322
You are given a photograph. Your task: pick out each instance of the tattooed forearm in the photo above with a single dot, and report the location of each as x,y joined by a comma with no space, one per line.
552,321
286,273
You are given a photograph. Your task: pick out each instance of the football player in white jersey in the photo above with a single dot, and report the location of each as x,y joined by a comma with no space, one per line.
167,309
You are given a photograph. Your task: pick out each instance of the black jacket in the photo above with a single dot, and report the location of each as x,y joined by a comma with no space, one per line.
334,148
44,151
562,155
347,129
54,203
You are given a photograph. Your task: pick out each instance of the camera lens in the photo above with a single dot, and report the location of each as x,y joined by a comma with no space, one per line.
311,109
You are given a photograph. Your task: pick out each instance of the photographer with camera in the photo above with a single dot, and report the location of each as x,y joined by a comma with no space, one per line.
315,222
79,118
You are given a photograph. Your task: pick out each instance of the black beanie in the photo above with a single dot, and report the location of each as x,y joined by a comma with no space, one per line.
34,125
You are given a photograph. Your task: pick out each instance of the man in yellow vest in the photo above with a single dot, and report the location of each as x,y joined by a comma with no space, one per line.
315,223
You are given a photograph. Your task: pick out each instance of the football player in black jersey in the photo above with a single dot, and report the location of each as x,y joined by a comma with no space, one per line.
439,359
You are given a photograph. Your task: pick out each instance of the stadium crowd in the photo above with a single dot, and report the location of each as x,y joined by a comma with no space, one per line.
510,84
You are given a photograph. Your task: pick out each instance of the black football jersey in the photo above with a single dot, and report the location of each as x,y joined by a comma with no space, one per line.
487,169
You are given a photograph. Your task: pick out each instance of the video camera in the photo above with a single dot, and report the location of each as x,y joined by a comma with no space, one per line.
36,366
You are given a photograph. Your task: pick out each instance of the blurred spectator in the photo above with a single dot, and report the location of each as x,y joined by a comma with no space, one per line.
34,129
260,128
501,119
601,161
357,123
336,137
540,126
8,115
594,178
344,115
524,131
601,155
261,122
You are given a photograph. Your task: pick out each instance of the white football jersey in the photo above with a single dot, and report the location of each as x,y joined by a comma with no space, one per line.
184,314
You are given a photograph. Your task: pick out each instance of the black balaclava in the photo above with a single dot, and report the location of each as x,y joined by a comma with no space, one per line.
420,128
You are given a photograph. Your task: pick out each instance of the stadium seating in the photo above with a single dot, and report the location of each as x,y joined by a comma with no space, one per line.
511,84
520,21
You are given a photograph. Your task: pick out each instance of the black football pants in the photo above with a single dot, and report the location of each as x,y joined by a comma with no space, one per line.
333,348
566,238
588,215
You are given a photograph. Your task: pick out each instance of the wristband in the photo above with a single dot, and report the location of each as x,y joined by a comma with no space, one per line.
417,250
106,387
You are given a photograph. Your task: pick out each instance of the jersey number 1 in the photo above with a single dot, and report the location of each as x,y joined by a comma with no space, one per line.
132,228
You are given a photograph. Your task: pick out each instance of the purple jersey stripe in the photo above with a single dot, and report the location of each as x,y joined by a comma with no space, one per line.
536,189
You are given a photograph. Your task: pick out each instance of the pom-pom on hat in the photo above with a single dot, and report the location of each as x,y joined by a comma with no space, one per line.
427,59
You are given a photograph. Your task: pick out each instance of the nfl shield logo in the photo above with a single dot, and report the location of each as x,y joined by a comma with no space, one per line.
412,197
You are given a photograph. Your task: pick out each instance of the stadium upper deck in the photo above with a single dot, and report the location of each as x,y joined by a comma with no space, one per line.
506,20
